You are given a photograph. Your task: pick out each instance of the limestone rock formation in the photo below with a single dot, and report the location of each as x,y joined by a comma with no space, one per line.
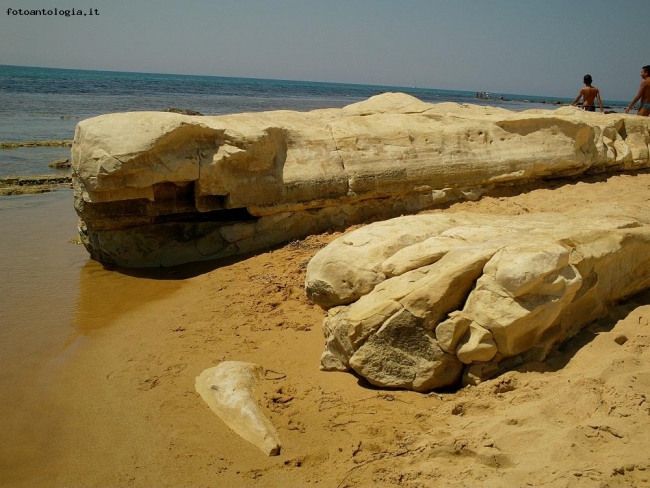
426,301
229,390
159,188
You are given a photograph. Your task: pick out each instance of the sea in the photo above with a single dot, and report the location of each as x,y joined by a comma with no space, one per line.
44,274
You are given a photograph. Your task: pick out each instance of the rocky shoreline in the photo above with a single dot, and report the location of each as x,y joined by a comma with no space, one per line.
32,184
27,185
53,143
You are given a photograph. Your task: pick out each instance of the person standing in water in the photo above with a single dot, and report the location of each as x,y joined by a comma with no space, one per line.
643,95
589,94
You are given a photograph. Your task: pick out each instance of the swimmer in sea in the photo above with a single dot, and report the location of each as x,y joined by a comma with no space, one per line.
643,95
589,94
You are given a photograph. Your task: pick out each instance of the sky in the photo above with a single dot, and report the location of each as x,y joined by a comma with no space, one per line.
530,47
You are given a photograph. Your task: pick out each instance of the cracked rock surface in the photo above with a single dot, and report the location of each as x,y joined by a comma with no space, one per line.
160,188
427,301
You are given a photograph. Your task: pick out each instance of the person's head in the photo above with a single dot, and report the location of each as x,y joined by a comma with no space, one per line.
645,70
587,80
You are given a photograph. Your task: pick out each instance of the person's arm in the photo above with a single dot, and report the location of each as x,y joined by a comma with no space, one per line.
636,99
600,101
577,98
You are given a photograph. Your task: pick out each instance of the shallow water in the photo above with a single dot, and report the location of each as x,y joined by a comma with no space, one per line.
52,293
39,267
53,300
28,161
39,272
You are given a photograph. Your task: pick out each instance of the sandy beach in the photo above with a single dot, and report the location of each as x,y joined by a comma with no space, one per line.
137,138
117,407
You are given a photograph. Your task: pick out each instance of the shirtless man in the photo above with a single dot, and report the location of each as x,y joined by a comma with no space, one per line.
589,94
643,95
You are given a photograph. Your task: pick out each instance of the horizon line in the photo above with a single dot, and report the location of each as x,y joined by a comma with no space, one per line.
557,98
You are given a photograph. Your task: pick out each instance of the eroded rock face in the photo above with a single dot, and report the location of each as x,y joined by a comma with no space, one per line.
157,188
425,301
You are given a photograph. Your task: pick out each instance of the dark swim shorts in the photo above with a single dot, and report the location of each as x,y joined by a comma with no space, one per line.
589,108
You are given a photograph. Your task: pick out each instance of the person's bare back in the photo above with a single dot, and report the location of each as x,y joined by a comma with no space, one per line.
589,95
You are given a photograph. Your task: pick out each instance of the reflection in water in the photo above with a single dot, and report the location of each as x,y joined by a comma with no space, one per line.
105,294
52,303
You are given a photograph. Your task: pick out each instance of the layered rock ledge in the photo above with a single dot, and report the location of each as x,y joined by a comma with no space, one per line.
429,301
154,188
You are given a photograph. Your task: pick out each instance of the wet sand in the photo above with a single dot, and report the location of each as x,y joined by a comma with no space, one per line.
108,399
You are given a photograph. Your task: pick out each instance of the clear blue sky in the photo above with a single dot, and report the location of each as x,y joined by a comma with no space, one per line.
534,47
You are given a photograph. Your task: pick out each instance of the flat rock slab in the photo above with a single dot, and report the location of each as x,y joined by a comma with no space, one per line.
427,301
159,188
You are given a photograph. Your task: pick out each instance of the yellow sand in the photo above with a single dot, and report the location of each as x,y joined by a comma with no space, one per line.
122,409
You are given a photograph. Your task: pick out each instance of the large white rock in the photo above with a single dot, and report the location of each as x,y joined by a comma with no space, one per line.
471,291
158,188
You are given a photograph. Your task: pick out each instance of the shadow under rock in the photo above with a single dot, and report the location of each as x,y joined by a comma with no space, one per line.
559,356
555,183
562,354
197,268
177,272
